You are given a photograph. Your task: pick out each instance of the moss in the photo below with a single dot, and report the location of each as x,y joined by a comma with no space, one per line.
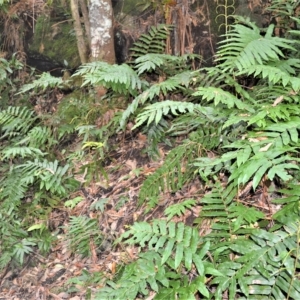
55,40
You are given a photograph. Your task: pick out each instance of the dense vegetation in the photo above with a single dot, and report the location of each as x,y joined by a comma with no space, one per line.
238,125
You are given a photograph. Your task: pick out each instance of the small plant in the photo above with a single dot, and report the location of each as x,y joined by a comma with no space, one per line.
25,167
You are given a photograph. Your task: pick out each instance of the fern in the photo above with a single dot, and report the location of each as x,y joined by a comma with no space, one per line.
45,81
221,96
170,245
172,175
152,42
82,233
15,121
245,47
12,152
154,112
164,64
273,74
179,208
25,168
150,62
171,84
120,78
50,174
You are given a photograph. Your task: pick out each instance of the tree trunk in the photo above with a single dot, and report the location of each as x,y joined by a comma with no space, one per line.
85,16
102,38
81,44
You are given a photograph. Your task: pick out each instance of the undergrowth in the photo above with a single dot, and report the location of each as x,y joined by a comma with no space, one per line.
241,122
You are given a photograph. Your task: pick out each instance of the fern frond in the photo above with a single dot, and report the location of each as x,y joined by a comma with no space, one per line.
169,237
172,175
155,112
45,81
39,137
152,42
16,120
179,208
50,174
13,152
221,96
120,78
80,232
265,265
273,74
136,276
171,84
14,187
149,62
245,47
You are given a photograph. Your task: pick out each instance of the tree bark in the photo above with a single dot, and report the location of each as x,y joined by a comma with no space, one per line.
102,38
85,16
81,44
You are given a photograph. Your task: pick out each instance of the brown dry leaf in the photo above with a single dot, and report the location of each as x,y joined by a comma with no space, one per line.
142,138
113,267
113,215
278,100
265,148
93,251
149,171
41,48
258,139
131,164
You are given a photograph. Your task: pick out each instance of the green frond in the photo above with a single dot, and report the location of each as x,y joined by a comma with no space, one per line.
171,84
273,74
50,174
172,175
179,209
40,137
149,62
246,47
81,231
218,95
289,203
152,42
156,133
13,152
265,265
14,187
16,120
45,81
155,112
165,64
120,78
167,239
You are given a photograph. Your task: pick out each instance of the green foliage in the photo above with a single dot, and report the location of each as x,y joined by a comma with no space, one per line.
120,78
246,47
263,262
179,208
238,120
248,134
8,82
25,167
152,42
172,84
171,176
82,234
170,245
45,81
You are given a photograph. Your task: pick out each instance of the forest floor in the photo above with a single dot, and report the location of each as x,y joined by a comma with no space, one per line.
48,277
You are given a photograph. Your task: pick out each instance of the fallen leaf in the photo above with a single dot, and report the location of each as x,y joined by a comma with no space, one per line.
266,148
